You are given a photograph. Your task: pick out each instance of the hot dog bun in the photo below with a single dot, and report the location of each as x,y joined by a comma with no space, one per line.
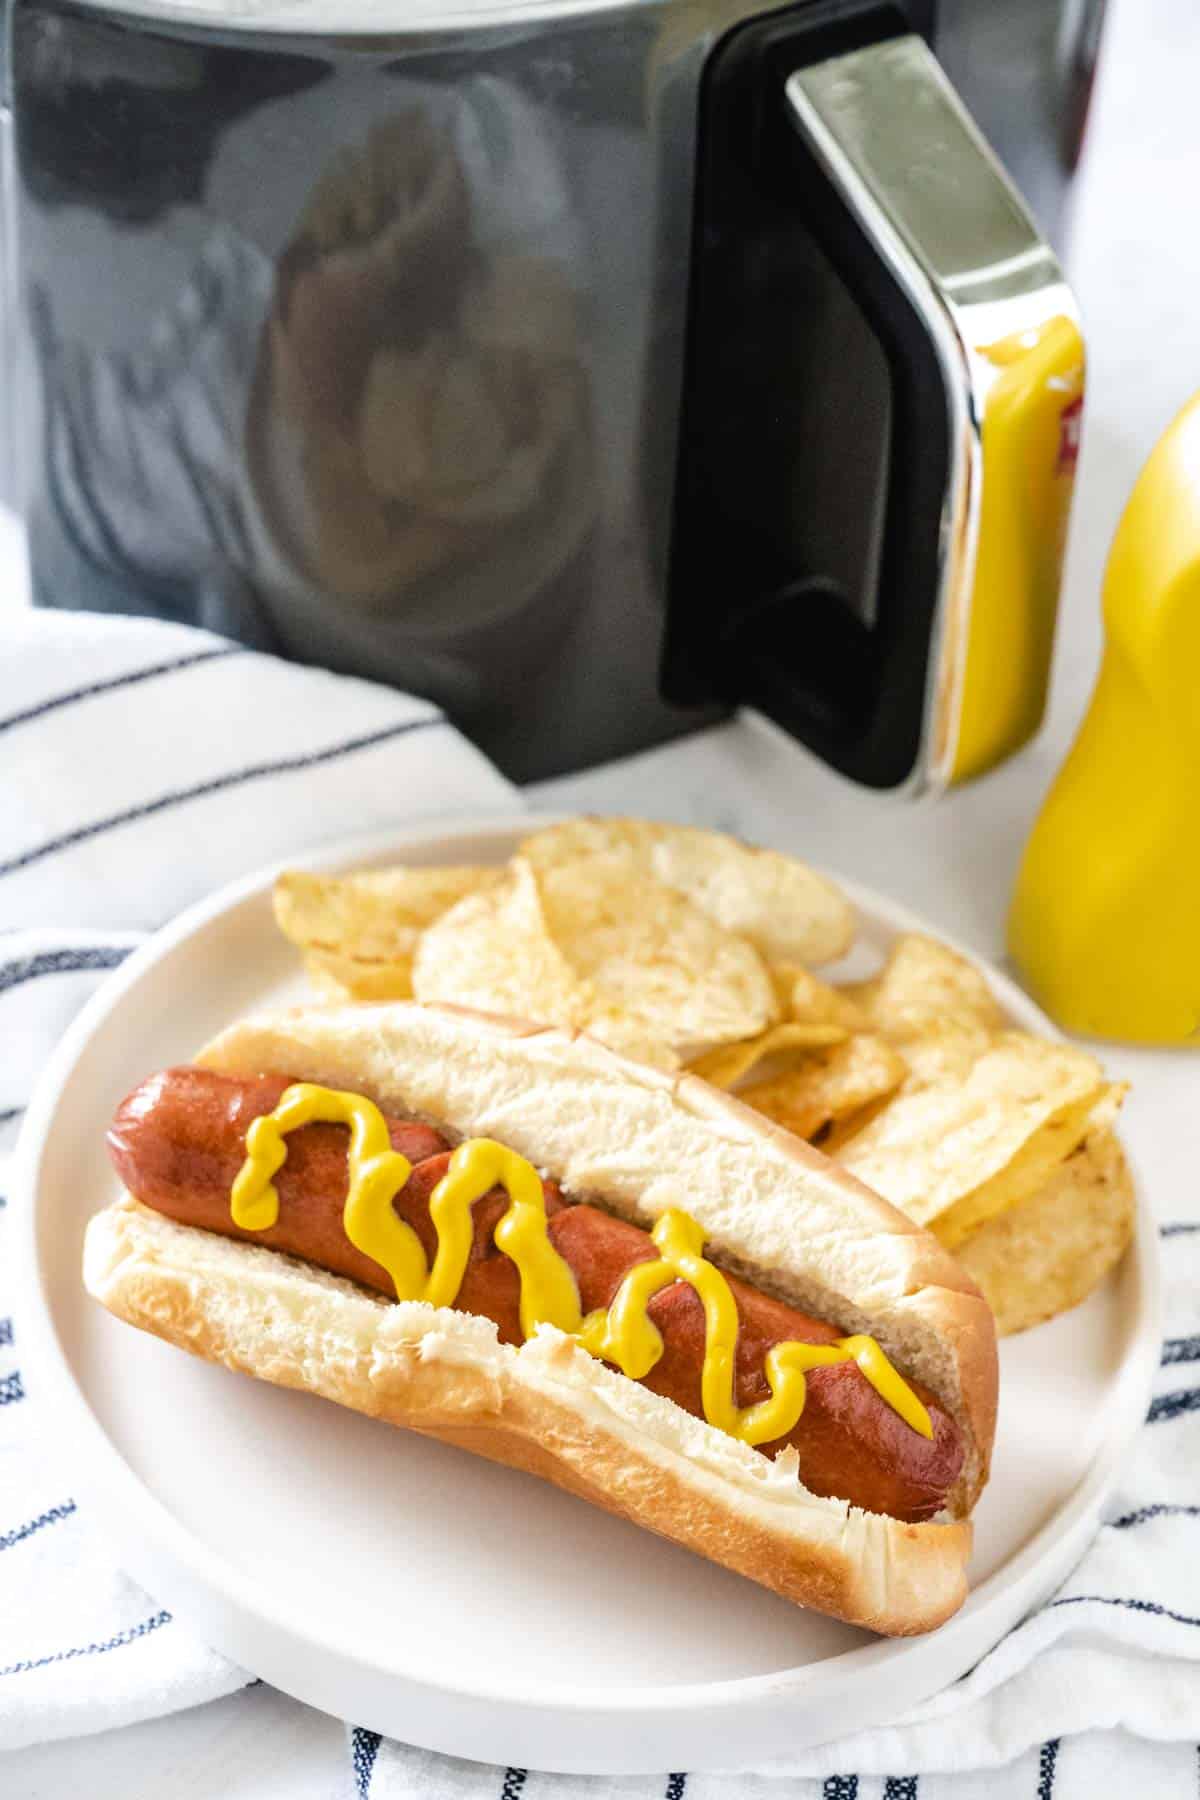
634,1141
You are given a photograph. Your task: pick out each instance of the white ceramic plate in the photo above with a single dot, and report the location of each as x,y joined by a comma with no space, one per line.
412,1588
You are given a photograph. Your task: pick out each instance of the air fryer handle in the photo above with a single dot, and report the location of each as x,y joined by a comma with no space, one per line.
917,179
939,668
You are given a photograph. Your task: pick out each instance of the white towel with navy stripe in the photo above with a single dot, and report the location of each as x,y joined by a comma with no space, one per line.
119,809
141,766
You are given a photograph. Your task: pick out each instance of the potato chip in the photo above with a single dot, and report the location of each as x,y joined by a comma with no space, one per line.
494,950
788,911
555,845
810,1001
497,950
943,1051
840,1131
731,1063
648,953
1104,1113
1033,1164
960,1148
785,908
860,994
829,1085
924,983
344,978
630,1038
376,915
323,981
1049,1251
934,1005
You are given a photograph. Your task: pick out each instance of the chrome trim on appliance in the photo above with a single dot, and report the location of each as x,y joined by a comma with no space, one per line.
897,144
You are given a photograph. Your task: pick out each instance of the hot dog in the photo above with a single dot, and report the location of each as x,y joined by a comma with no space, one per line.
178,1142
782,1373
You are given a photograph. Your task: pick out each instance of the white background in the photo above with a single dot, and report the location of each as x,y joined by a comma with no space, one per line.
1134,257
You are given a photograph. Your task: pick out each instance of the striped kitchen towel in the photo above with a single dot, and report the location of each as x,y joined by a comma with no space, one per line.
141,765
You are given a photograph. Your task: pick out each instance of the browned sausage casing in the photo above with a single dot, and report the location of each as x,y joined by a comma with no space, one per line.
179,1140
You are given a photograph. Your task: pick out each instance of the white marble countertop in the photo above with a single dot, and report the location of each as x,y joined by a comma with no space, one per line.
1135,260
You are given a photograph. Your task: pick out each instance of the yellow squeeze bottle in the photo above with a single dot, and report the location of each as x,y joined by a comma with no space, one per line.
1105,920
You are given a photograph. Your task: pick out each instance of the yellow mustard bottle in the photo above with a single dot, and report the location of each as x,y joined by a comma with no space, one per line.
1105,918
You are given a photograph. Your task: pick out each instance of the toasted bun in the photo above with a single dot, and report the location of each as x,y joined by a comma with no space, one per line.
634,1141
545,1407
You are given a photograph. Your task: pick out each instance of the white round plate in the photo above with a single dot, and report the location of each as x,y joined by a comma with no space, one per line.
409,1587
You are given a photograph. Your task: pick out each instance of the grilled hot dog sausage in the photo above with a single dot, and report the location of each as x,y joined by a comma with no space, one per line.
179,1140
